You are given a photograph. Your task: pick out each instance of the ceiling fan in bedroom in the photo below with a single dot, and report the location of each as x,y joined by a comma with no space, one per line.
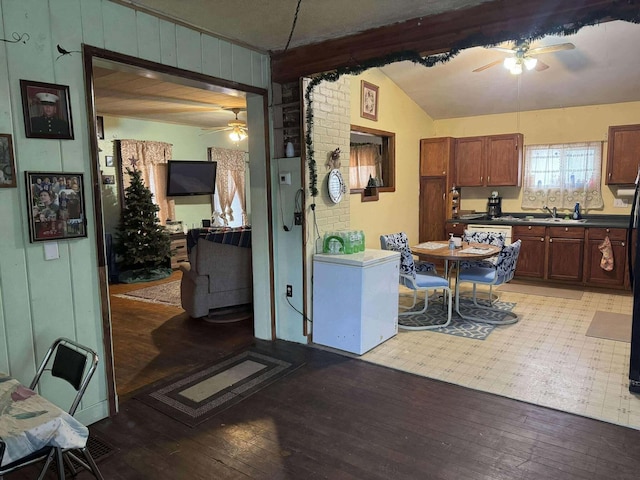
522,57
237,128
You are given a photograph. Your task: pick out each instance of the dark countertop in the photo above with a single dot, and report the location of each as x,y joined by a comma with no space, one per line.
602,221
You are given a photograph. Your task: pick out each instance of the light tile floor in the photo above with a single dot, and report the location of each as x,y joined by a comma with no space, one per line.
545,358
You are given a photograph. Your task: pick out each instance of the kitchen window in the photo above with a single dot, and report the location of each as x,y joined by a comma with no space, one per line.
561,175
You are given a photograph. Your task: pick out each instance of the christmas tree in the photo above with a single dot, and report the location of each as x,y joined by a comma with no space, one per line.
142,243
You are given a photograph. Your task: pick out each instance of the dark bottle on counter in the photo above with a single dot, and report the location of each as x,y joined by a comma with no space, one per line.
576,212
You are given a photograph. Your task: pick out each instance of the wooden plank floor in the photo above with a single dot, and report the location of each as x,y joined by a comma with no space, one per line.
339,418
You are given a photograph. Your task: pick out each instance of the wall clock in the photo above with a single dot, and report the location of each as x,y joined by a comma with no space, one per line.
336,186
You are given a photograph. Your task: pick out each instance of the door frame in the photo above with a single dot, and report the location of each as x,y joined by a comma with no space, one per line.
89,53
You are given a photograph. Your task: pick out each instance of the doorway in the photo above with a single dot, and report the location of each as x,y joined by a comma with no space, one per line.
132,97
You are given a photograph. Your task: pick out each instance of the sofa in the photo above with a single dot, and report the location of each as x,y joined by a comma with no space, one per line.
218,275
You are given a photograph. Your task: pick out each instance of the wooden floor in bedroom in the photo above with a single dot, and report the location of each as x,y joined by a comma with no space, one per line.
152,341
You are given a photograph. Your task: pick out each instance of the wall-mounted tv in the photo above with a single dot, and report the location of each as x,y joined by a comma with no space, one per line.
190,177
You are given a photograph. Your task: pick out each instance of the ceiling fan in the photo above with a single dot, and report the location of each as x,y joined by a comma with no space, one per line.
238,128
524,57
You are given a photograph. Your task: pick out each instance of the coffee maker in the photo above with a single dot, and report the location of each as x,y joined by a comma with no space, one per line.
494,206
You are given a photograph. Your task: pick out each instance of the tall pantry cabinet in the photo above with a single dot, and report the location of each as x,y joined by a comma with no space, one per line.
436,181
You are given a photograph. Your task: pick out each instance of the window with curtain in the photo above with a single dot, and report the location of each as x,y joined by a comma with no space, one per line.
562,175
364,163
230,184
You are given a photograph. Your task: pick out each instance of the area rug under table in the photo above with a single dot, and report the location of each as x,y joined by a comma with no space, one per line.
437,314
205,392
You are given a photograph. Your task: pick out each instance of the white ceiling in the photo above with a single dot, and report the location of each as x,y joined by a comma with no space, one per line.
603,68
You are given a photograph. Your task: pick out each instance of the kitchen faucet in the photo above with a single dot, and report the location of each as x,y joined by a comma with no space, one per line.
554,212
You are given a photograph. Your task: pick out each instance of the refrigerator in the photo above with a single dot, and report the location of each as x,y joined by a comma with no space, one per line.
634,274
355,299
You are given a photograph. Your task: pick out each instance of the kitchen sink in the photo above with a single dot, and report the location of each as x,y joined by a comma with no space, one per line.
554,221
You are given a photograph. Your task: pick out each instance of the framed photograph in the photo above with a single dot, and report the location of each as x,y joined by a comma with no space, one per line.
7,163
47,110
108,161
109,179
100,127
55,206
369,101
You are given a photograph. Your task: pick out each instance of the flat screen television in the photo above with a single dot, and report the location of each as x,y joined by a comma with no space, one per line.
190,177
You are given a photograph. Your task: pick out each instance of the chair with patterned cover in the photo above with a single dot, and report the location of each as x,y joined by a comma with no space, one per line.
498,274
490,238
425,280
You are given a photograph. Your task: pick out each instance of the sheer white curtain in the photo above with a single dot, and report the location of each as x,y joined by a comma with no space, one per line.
364,162
151,159
230,180
562,175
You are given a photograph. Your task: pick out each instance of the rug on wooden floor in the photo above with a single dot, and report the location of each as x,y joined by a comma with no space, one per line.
167,293
611,326
541,291
437,313
201,394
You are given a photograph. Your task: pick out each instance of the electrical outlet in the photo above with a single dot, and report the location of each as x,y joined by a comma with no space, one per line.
289,291
297,218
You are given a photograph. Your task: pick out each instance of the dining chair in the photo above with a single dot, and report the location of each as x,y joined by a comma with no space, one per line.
76,364
490,238
424,280
489,274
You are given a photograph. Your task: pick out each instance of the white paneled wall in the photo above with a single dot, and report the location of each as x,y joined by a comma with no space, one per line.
41,300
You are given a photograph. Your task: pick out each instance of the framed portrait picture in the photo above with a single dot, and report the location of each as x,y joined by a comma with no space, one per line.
369,101
7,163
108,161
55,206
47,110
100,127
108,179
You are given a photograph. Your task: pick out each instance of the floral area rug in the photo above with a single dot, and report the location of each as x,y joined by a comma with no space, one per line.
437,313
165,293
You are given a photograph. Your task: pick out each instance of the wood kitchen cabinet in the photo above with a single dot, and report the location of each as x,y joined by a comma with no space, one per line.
489,161
594,274
623,154
565,253
436,156
433,208
531,260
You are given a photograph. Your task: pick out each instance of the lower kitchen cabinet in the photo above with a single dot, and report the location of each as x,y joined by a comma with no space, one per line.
531,260
594,274
566,253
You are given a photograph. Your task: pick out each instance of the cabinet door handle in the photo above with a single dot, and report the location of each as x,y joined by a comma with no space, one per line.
444,196
609,176
541,239
566,229
481,177
623,244
529,227
551,240
608,230
444,172
488,179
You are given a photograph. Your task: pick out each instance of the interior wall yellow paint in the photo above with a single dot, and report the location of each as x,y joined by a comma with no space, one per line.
561,125
394,211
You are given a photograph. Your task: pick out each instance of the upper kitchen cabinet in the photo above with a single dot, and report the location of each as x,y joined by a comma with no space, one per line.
436,155
623,154
489,161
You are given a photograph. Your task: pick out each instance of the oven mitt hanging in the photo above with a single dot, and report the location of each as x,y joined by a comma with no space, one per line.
606,263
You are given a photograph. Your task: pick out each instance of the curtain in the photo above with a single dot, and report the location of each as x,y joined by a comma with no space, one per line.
562,175
230,175
151,159
365,161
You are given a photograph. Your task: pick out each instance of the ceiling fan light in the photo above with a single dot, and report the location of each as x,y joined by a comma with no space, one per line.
516,69
237,134
510,62
530,62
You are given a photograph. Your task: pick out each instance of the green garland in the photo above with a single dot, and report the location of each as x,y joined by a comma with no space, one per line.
535,33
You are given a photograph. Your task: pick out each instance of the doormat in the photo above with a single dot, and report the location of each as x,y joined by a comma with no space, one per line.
205,392
611,326
166,293
541,291
437,313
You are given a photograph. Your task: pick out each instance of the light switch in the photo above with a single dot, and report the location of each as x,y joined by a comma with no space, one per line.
51,251
285,178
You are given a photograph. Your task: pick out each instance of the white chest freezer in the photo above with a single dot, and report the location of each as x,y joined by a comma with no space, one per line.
355,299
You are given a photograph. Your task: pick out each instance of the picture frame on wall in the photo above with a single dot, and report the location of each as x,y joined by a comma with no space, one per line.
100,127
108,161
7,162
369,100
55,206
47,110
108,179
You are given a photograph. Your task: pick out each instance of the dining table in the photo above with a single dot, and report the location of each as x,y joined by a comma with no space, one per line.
439,250
30,422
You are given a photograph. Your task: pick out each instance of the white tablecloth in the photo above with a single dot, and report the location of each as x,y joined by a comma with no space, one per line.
29,422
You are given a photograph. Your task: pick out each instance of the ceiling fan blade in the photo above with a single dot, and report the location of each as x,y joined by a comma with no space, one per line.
488,65
504,49
551,48
540,66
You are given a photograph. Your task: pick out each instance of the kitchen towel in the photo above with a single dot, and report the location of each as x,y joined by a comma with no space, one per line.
606,263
